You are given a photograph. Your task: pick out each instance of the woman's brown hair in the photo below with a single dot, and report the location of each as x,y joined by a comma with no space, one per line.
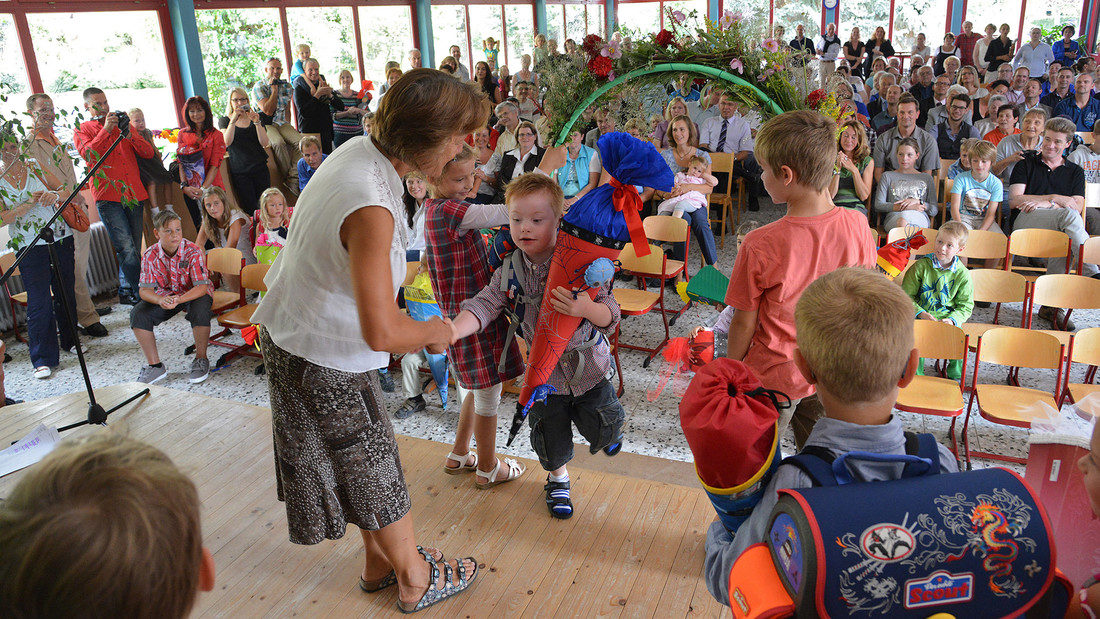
862,149
423,111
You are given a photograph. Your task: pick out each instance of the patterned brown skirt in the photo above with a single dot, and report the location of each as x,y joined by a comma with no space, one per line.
336,459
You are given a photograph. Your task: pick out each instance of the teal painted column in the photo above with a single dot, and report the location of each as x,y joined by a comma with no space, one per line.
712,10
424,31
955,12
609,16
540,16
188,53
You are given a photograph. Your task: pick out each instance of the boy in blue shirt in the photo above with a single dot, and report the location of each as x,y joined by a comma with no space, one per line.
977,193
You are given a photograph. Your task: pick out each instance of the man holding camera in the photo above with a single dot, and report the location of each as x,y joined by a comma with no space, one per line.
272,99
117,188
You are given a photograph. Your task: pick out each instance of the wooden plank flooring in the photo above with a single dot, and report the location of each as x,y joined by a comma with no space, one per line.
634,547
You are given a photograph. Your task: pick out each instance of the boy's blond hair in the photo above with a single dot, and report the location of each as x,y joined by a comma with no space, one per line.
804,141
982,150
855,331
956,230
308,140
108,525
527,184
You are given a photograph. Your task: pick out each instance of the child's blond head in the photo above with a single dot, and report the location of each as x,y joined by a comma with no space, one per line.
161,219
855,331
528,184
108,525
269,221
804,141
954,230
982,150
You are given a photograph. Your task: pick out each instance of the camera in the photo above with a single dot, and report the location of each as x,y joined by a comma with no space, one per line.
246,108
123,120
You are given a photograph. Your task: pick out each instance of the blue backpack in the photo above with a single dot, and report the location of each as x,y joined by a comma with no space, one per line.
974,544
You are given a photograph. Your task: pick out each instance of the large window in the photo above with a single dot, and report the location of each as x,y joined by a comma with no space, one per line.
387,35
13,73
520,20
328,32
865,15
119,52
1052,15
790,13
555,24
996,11
448,28
235,46
916,16
485,21
640,17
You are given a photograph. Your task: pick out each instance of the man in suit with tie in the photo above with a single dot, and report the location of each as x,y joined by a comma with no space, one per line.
729,133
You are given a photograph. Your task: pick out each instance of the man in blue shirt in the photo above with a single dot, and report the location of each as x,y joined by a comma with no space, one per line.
1081,108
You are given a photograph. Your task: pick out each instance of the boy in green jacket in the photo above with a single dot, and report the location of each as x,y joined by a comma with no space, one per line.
940,285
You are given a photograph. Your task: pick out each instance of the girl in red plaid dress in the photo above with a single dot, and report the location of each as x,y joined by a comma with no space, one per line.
458,261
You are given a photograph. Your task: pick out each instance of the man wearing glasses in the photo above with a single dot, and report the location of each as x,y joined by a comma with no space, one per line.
950,133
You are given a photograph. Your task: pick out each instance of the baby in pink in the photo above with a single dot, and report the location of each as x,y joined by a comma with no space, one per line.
689,201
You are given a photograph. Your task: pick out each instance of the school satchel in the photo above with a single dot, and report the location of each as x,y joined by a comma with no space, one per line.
975,544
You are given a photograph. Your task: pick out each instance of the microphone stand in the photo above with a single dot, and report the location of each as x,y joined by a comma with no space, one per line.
96,413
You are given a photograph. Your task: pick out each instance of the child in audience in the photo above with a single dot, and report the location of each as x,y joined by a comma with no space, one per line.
940,287
977,193
458,264
855,343
689,201
416,192
173,279
1089,465
776,262
225,225
299,67
962,164
587,399
272,228
154,176
312,157
906,195
368,119
110,502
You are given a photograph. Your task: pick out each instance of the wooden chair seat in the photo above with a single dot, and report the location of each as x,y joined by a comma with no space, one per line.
1079,392
225,299
674,267
633,302
931,395
1012,406
238,318
1063,337
21,297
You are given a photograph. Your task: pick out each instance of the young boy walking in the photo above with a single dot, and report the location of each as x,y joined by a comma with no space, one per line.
584,398
776,262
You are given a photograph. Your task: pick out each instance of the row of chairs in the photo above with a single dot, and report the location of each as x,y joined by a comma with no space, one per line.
232,309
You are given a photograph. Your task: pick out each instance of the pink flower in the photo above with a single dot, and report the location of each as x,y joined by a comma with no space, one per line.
737,65
729,18
610,76
770,45
679,16
612,50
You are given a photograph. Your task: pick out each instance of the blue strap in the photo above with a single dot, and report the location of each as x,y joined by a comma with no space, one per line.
922,457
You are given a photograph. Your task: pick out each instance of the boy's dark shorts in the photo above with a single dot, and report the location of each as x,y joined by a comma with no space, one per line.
597,414
147,315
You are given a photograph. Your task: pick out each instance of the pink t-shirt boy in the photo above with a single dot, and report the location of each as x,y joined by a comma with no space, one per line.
776,262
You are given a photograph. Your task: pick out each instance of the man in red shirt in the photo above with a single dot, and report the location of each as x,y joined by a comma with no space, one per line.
965,42
120,197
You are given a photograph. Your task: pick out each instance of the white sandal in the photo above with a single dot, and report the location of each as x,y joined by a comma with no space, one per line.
42,372
515,469
461,460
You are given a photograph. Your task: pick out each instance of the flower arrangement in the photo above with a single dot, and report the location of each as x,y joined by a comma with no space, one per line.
733,44
172,135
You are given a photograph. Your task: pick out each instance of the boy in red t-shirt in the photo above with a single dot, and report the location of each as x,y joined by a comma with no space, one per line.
776,262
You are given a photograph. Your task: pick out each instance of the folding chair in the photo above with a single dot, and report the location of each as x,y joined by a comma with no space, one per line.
945,204
252,278
19,298
668,229
937,395
1010,404
723,196
1068,292
1084,348
223,261
636,302
1036,243
997,286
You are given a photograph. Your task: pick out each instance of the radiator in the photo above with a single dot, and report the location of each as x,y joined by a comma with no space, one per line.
102,276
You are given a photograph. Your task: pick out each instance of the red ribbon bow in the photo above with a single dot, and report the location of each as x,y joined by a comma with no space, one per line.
627,201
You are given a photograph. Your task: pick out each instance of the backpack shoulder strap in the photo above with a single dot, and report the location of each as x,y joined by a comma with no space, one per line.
816,462
923,445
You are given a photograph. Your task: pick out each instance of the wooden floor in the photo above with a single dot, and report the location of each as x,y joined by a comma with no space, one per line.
634,547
